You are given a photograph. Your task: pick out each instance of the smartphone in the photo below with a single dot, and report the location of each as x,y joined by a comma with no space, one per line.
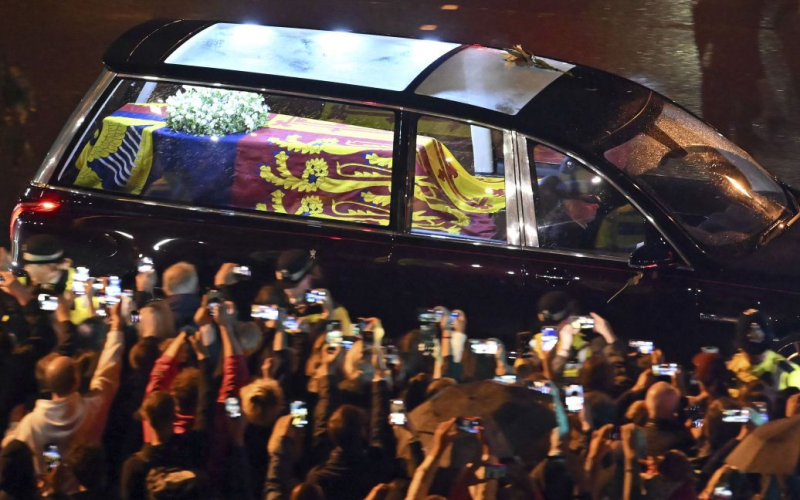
736,416
524,348
540,386
483,346
710,349
242,272
144,265
430,316
48,302
761,408
79,280
233,407
114,288
134,317
494,471
469,425
616,433
697,423
583,322
506,379
397,412
290,324
52,457
213,300
258,311
723,491
641,346
368,337
316,296
665,369
334,338
549,339
391,355
574,398
299,412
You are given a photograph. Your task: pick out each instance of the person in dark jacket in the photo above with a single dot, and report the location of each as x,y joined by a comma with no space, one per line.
17,475
663,430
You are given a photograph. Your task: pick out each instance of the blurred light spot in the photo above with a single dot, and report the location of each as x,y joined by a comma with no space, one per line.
449,6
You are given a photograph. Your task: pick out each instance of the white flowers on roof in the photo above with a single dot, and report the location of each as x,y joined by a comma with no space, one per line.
215,112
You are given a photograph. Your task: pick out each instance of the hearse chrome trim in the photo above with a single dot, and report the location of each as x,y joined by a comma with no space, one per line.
530,230
596,171
513,208
75,121
220,211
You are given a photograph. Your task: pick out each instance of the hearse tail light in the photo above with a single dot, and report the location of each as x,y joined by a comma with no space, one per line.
31,206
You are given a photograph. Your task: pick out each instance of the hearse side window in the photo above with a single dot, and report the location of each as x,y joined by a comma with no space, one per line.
231,149
459,181
578,210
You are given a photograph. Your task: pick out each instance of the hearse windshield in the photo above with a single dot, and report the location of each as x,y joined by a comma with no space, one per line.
719,193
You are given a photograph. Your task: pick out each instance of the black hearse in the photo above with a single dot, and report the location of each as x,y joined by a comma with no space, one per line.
422,173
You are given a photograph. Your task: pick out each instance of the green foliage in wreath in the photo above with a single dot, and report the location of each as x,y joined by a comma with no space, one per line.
215,112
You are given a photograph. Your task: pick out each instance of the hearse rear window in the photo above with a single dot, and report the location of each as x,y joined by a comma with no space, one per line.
214,147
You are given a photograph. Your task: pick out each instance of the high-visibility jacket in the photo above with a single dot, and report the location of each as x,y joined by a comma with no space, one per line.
783,372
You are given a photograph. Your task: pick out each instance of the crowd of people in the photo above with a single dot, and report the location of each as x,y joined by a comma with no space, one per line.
275,392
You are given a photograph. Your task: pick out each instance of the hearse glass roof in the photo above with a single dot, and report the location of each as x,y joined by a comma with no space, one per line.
376,61
480,76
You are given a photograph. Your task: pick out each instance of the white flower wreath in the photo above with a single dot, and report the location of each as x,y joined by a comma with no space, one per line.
215,112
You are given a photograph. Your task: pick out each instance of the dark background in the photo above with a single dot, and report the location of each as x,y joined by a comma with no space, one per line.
54,48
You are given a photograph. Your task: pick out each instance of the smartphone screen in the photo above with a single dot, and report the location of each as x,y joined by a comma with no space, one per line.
397,412
134,317
641,346
483,346
114,288
494,471
539,386
79,279
761,408
48,302
258,311
736,416
290,324
583,323
52,457
242,271
549,339
430,316
299,412
144,265
469,425
334,338
233,407
574,398
506,379
665,369
316,296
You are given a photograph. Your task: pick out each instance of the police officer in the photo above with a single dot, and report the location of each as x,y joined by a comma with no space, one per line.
755,360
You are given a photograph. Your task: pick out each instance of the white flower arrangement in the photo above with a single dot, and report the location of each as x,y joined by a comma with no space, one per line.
215,112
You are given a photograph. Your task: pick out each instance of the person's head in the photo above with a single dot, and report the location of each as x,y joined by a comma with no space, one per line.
158,411
597,374
555,308
307,491
250,337
580,210
262,401
180,278
91,334
297,271
17,473
185,390
346,427
61,376
156,320
753,334
718,432
662,401
144,354
87,461
43,256
711,373
675,467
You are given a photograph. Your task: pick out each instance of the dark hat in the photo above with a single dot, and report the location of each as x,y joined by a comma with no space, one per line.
42,249
753,332
709,366
294,265
554,307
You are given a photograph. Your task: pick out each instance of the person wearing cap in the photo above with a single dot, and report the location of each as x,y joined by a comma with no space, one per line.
755,360
556,310
568,224
43,260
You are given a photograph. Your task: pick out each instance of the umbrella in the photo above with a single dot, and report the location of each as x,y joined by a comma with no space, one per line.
773,448
520,418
